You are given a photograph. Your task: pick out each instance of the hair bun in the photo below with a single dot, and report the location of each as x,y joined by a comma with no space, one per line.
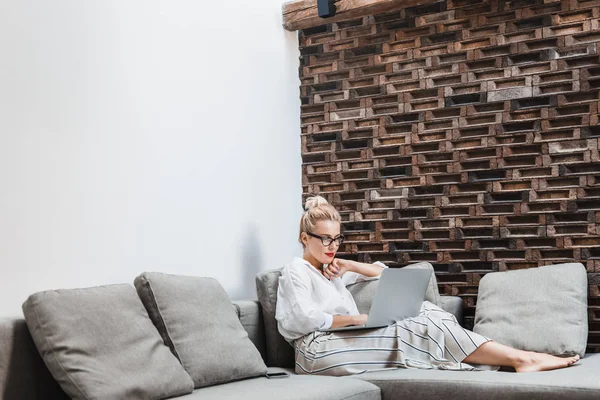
314,201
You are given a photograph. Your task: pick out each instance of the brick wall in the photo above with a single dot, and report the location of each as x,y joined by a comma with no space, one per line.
462,133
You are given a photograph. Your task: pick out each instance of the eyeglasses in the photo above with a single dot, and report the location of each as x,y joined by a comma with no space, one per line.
326,240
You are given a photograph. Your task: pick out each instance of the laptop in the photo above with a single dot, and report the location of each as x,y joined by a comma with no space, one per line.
399,295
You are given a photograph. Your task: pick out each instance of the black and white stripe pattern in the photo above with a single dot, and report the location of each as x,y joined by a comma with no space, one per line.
433,339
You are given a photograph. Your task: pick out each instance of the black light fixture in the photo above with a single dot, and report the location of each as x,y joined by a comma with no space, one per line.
326,8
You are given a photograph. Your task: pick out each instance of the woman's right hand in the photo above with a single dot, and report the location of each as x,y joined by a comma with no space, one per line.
340,321
360,319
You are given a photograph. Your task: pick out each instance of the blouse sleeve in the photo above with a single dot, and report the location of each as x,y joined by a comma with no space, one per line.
352,277
297,312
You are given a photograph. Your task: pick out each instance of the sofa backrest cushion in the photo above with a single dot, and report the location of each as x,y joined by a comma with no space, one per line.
198,322
279,352
100,343
539,309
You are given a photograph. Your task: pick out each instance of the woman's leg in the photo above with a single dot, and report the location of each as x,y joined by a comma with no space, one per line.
487,352
494,353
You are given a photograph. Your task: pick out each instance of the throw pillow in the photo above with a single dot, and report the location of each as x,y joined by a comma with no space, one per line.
199,323
99,343
539,309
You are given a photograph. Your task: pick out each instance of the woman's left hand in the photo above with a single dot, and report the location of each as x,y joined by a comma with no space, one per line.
337,268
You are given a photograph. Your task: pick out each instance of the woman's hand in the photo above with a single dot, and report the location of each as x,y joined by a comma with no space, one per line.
360,319
338,268
340,321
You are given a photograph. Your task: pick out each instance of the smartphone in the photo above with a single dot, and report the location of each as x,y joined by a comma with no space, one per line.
276,375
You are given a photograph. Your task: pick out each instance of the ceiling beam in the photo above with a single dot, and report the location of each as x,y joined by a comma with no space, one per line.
302,14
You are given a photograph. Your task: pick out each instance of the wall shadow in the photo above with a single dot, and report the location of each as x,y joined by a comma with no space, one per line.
251,262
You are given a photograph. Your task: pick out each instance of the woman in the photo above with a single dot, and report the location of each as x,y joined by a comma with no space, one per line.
312,296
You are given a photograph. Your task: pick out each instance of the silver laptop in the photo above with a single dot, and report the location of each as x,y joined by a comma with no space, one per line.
399,295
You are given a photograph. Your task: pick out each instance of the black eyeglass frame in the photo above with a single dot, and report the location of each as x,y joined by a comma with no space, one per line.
326,241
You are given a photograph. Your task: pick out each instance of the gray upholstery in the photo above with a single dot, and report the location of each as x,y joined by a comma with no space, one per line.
579,382
198,322
279,352
296,387
99,343
539,309
23,375
363,293
454,305
250,315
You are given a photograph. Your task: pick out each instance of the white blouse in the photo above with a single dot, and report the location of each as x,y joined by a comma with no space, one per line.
307,301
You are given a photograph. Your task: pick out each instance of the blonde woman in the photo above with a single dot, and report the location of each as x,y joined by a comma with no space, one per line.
312,296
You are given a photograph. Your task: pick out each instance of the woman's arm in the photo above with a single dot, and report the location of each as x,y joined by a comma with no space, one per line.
369,270
340,266
297,312
340,321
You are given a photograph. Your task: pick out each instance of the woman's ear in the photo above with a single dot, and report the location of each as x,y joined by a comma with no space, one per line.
304,238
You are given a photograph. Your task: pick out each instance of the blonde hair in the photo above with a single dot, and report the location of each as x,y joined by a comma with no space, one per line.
316,209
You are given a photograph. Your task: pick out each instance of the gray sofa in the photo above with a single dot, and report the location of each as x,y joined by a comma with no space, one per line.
23,375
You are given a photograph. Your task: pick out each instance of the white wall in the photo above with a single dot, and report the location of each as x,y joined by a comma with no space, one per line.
141,135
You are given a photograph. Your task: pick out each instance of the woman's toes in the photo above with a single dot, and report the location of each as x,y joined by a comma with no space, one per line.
573,360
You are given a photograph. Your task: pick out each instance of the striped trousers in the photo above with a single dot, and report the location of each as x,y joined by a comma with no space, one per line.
433,339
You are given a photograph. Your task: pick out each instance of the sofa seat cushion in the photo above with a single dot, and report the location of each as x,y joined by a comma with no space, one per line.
296,387
579,382
198,322
99,343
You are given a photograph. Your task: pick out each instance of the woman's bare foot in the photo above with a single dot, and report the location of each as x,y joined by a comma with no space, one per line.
533,362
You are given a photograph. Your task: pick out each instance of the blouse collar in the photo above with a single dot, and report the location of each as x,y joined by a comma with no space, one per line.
311,267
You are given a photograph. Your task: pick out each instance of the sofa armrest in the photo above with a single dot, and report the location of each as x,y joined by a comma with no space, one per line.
250,315
454,305
23,374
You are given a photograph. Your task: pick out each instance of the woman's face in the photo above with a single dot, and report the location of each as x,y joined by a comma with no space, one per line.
314,248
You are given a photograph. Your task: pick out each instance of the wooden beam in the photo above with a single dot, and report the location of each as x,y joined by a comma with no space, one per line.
302,14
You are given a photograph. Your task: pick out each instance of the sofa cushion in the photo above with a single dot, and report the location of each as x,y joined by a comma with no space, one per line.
453,305
249,313
296,387
279,352
579,382
539,309
199,323
364,291
99,343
